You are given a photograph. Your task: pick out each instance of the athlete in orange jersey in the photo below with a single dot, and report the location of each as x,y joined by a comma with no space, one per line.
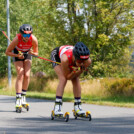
70,56
24,44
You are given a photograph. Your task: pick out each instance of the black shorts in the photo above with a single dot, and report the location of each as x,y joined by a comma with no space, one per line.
26,56
55,56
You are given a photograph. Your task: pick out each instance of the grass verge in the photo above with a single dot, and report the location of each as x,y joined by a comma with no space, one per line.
108,91
119,101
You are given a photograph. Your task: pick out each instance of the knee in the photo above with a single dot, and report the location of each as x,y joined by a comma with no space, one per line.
20,75
75,80
26,76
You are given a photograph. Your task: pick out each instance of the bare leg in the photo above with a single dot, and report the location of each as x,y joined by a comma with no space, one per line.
60,90
20,75
76,87
77,96
27,69
18,85
62,81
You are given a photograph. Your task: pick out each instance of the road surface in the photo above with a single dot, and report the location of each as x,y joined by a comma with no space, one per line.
105,119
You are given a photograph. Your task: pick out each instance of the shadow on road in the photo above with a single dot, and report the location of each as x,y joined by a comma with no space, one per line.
120,125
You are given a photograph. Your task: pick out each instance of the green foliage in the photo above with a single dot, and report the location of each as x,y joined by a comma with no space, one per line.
124,87
104,26
3,83
3,41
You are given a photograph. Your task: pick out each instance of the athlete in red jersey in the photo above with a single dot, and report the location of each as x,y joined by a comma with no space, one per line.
67,50
70,56
26,43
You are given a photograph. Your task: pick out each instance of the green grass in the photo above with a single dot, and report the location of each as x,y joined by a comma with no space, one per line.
120,101
108,91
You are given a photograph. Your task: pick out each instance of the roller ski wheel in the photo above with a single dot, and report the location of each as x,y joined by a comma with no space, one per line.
26,106
66,116
87,115
60,116
52,115
19,109
75,114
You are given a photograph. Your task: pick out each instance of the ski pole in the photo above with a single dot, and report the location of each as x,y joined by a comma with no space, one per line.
31,54
46,59
35,55
5,34
78,68
41,58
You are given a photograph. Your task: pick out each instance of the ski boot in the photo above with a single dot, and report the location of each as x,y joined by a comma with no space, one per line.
57,113
18,105
78,112
24,103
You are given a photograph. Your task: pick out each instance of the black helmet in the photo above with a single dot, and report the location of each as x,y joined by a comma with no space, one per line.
26,29
80,51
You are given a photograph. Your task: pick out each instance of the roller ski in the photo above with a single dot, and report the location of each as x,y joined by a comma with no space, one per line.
78,112
18,106
57,113
60,116
24,103
26,106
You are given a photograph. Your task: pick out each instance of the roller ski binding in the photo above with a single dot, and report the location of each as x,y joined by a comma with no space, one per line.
57,113
18,105
78,112
24,103
60,116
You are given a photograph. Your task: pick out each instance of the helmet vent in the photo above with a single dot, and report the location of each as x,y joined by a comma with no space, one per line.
25,27
80,49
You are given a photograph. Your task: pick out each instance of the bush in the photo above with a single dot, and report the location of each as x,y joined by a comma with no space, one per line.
122,86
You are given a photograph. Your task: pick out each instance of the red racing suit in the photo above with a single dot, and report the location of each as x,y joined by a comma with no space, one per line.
23,46
68,51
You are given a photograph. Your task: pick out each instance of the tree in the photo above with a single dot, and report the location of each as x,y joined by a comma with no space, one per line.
3,40
105,26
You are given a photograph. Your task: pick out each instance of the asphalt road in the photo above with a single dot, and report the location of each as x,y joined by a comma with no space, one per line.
105,119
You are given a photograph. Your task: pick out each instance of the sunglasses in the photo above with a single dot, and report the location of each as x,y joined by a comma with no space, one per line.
26,35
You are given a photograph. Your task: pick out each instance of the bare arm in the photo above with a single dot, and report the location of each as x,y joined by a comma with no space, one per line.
34,50
11,47
68,73
78,71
